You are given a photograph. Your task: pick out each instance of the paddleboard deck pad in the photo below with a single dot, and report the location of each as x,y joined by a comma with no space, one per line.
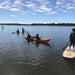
69,53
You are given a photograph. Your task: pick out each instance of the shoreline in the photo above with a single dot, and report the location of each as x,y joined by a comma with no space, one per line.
40,24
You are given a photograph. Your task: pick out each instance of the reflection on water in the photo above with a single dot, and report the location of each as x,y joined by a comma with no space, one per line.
18,33
70,63
2,27
23,33
21,57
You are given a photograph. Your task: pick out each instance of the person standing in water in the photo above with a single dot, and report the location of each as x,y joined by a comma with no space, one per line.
17,31
23,30
72,38
2,27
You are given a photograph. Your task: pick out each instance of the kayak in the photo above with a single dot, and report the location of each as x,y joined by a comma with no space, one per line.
41,40
69,53
44,40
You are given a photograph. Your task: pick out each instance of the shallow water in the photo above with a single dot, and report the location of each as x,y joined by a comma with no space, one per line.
20,57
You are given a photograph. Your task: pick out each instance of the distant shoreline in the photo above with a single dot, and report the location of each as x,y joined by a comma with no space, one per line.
41,24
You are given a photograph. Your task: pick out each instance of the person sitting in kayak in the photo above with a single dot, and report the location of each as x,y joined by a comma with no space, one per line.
37,37
28,36
72,38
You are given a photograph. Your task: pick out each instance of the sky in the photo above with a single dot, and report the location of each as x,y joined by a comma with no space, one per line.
37,11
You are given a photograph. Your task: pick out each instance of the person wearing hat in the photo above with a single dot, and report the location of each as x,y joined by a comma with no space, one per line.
72,38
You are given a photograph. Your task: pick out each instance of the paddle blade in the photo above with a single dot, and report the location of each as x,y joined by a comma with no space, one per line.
64,48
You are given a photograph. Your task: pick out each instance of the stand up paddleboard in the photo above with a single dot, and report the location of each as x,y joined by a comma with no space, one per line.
69,53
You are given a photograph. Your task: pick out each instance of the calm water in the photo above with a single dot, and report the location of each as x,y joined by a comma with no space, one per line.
19,57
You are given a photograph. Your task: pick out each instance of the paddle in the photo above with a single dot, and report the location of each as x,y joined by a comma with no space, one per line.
66,45
41,37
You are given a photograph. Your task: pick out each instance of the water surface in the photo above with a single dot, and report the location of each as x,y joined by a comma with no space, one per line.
19,57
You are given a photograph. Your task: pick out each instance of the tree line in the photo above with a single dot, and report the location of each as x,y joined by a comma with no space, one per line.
42,24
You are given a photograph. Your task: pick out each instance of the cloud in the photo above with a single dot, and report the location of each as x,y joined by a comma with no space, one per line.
40,8
59,3
71,7
14,9
44,8
5,4
29,5
13,15
39,0
5,7
65,5
18,5
17,1
9,6
34,6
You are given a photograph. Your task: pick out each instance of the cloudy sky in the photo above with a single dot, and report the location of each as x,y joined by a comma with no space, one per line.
37,11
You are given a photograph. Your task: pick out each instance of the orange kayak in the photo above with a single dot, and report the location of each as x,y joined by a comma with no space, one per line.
44,40
41,40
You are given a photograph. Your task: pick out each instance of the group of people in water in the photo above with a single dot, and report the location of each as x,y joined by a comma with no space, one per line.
71,38
28,36
19,31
